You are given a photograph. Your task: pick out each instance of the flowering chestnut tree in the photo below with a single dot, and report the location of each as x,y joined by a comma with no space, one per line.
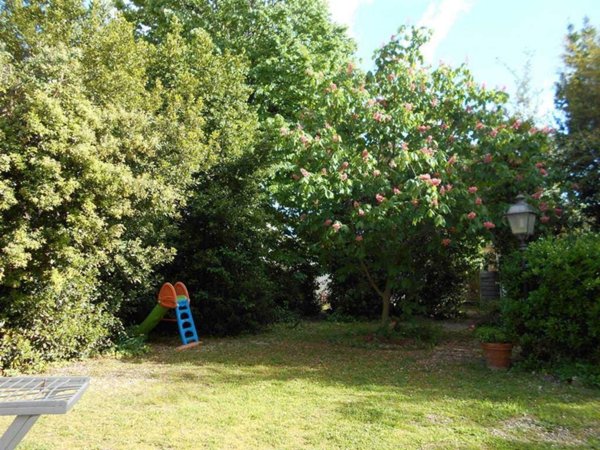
381,162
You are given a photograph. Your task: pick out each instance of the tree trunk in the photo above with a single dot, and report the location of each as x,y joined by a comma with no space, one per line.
386,297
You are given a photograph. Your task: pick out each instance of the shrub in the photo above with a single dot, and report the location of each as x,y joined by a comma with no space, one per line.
559,320
491,334
100,134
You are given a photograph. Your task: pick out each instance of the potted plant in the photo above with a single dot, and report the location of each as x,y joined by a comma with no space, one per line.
497,346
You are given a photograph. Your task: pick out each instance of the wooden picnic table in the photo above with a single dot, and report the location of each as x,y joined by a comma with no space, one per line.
30,397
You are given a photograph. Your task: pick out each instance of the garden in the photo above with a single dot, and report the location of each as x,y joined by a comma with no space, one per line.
335,229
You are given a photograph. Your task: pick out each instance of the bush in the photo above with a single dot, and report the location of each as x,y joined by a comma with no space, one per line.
100,134
559,320
491,334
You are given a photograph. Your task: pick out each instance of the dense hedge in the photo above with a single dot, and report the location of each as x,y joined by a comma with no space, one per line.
100,134
559,320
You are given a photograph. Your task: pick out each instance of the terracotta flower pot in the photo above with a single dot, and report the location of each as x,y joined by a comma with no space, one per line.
497,356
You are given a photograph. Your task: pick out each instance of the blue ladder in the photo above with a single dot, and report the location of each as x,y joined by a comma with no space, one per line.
185,321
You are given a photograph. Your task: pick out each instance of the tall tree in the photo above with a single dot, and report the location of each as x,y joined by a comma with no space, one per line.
578,98
406,158
100,134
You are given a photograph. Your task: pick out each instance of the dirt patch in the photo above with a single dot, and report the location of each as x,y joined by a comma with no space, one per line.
529,429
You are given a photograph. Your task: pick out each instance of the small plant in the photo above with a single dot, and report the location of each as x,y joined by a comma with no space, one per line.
492,334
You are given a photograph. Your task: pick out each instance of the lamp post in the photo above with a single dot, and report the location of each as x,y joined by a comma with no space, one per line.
521,217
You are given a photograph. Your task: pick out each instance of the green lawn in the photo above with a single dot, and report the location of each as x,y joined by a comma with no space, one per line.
319,385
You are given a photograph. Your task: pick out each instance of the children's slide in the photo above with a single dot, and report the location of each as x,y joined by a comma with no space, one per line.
173,297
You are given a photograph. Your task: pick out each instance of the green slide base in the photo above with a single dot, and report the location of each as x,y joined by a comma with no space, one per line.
152,320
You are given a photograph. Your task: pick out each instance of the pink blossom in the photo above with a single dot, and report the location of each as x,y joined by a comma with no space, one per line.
533,130
435,181
425,177
358,238
494,132
361,212
478,201
350,68
543,206
544,172
391,77
336,138
376,173
429,139
377,116
380,198
446,242
444,126
408,106
344,176
304,172
396,191
284,131
558,211
547,130
488,158
371,102
434,102
471,215
442,190
304,139
472,189
452,160
344,166
327,222
517,124
479,126
336,226
449,187
332,87
545,219
434,202
365,154
539,165
426,151
423,128
538,194
404,146
356,204
489,225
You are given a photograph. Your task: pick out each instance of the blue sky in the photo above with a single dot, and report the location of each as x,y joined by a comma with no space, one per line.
492,36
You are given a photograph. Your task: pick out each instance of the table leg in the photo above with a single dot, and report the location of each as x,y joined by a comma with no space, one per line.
17,431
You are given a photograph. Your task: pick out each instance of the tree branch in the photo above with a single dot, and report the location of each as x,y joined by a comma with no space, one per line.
370,278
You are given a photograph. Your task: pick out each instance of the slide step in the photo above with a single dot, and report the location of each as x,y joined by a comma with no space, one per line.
185,321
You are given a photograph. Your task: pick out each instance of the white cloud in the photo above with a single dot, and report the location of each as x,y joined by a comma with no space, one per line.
344,11
440,16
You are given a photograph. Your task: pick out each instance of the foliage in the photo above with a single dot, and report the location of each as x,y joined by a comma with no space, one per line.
578,98
407,159
283,40
100,134
241,271
493,334
230,251
559,320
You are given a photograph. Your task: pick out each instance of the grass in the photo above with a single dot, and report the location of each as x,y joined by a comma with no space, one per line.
318,385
